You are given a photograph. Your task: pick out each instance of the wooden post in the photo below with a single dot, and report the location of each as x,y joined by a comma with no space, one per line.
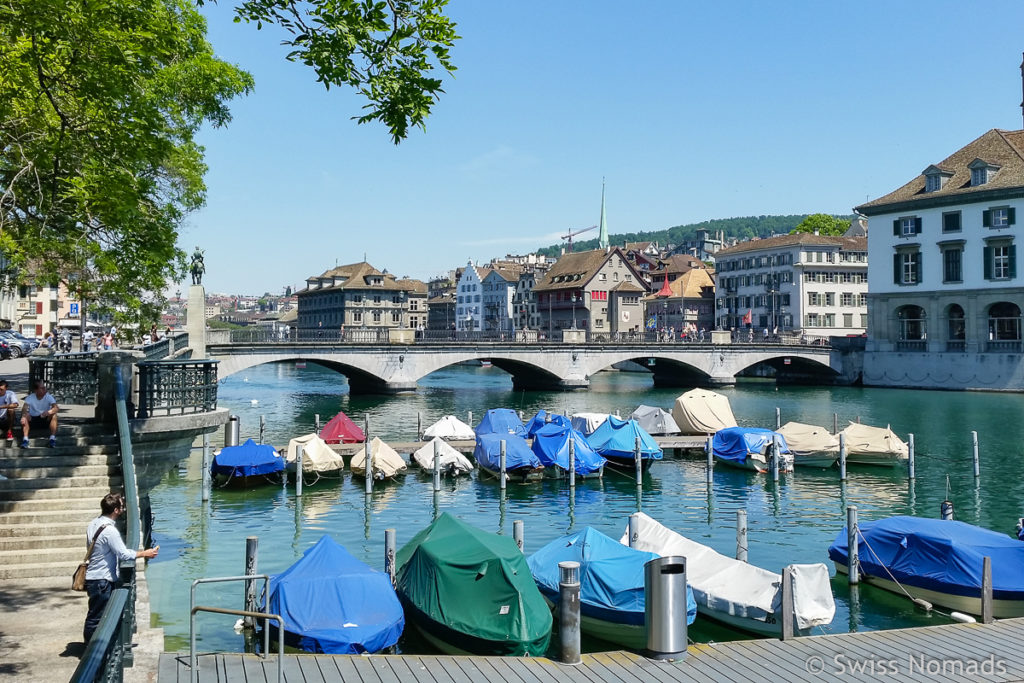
251,548
986,590
911,474
974,443
842,457
263,428
368,462
778,417
787,604
708,451
501,464
572,462
634,529
298,470
437,466
569,611
835,423
741,535
390,545
519,534
639,466
852,538
206,467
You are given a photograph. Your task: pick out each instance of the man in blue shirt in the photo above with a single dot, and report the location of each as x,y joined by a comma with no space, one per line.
107,553
8,405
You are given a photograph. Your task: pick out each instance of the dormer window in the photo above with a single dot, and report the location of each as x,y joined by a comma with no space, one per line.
935,178
981,172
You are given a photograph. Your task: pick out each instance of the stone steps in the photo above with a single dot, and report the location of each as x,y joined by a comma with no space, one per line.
49,516
23,543
29,530
58,482
90,503
41,569
50,458
69,554
55,495
59,471
65,446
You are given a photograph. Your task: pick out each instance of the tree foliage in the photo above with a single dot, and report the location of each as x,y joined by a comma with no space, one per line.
823,224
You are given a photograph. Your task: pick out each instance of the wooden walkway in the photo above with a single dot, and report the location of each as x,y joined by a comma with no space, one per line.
953,652
667,442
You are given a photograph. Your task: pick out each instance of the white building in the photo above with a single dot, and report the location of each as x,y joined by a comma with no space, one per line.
794,283
499,289
945,296
469,299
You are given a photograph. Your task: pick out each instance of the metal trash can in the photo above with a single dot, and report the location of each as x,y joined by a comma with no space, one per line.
231,431
665,607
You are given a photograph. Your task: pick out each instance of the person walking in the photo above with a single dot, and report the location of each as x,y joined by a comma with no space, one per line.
8,406
87,338
108,551
40,411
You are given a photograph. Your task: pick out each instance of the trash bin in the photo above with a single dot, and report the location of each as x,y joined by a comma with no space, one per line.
231,431
665,607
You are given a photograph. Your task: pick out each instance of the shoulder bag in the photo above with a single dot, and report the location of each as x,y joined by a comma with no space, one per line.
78,578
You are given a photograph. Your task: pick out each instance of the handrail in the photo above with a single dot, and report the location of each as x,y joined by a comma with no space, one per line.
133,519
105,650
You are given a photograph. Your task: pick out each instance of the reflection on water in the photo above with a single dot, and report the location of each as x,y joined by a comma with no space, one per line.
792,522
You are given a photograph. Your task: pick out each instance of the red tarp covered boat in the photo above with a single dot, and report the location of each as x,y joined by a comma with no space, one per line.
341,429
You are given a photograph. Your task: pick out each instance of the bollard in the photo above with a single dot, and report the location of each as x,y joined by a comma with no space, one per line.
787,604
911,474
206,467
231,428
298,471
835,423
263,428
946,510
366,428
842,457
569,611
986,590
316,423
520,416
709,451
974,443
251,547
741,535
419,425
852,539
469,419
368,462
519,534
390,545
773,459
778,417
572,462
665,607
634,529
501,464
637,462
437,466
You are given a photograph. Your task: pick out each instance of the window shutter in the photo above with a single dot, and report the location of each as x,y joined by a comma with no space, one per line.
1013,259
988,263
1011,215
919,268
896,269
986,219
896,227
917,226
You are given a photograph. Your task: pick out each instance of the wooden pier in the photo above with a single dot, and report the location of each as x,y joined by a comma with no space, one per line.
961,652
405,447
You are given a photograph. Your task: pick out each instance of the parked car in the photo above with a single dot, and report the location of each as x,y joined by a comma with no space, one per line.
18,344
5,350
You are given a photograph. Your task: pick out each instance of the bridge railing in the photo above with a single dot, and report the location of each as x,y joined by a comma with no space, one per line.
177,387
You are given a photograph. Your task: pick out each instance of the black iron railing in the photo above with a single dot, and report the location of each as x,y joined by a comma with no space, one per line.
71,378
103,659
166,347
171,387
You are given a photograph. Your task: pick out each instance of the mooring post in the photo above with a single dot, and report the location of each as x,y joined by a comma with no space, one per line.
946,510
298,470
569,611
572,462
974,444
390,546
842,457
263,428
206,467
316,423
986,590
911,469
369,467
520,416
787,604
501,463
639,467
437,466
419,425
778,417
469,419
709,452
251,547
852,539
366,428
835,423
741,535
634,529
775,458
519,534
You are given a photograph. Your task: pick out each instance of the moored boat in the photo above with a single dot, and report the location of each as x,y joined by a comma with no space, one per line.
341,429
521,463
248,464
451,461
587,423
750,448
387,463
318,459
542,419
867,445
450,428
701,411
551,445
811,445
655,421
501,421
616,439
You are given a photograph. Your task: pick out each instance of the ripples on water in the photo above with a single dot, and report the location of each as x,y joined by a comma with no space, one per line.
794,523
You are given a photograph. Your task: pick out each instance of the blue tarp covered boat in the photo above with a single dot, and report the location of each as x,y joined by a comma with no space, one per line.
551,444
747,448
334,604
521,464
544,418
615,439
246,464
611,585
501,421
938,561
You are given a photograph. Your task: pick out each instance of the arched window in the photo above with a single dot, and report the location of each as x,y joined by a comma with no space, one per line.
913,328
956,328
1004,327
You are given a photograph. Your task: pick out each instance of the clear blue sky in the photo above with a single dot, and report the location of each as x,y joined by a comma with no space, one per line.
691,111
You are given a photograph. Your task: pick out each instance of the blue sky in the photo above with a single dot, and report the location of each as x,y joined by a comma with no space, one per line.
690,111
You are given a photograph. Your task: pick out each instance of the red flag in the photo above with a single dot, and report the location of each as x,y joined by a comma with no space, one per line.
748,319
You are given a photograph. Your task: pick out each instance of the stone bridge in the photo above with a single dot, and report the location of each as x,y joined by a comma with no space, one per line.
393,368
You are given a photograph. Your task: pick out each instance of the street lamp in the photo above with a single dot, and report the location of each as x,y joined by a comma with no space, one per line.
574,299
401,309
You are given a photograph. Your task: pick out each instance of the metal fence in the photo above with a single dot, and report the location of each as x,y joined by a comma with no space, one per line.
173,387
71,378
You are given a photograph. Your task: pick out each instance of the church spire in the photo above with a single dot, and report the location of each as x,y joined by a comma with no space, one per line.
602,239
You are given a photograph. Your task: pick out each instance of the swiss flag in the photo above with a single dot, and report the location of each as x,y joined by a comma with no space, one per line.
748,319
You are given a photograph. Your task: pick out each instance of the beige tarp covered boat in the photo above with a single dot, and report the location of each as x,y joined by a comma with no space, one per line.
868,445
451,461
700,411
811,445
386,461
317,456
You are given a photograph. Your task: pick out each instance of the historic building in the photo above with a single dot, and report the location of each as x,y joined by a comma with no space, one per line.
683,304
360,296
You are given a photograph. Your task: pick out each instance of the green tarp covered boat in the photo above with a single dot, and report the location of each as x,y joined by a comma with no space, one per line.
470,592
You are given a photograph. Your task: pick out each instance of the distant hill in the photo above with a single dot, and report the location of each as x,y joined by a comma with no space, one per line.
740,228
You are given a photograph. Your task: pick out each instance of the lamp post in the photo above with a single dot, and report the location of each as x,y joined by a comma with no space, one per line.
574,310
401,309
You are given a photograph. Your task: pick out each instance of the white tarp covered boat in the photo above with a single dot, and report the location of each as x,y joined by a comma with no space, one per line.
655,421
317,457
866,445
450,428
587,422
452,462
386,461
738,594
700,411
811,445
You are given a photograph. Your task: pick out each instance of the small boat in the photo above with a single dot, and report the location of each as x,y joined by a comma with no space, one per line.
811,445
318,460
611,585
470,592
334,604
750,448
616,439
341,429
551,444
939,561
655,421
587,423
387,463
543,419
450,428
521,464
866,445
250,464
452,462
737,594
700,411
501,421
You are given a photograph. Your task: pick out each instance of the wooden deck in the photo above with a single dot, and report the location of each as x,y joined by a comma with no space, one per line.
406,447
960,652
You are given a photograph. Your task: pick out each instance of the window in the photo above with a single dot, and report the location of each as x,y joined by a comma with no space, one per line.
847,319
864,320
604,277
1000,261
376,316
846,300
913,323
813,299
907,268
830,298
932,182
1001,217
952,270
906,226
357,317
396,317
956,324
376,298
951,221
615,276
1004,333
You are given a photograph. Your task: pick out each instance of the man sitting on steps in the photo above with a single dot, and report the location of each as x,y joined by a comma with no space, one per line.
40,412
8,406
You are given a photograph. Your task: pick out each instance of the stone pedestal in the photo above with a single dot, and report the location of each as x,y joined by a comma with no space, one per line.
573,336
401,335
108,364
195,321
721,337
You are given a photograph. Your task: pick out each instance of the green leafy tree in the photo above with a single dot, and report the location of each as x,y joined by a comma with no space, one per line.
823,224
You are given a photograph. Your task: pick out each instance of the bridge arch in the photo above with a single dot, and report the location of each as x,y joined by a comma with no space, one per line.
789,368
360,379
667,369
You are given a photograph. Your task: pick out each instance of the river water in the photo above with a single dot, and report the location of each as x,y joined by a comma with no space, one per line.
794,522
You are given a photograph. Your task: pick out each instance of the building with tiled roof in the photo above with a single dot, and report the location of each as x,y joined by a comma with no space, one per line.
686,304
357,296
945,292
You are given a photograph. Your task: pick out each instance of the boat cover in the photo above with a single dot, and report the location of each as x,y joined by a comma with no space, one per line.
542,418
587,423
551,444
474,583
317,456
451,428
341,429
723,584
517,452
501,421
700,411
611,575
804,438
939,555
386,461
335,604
864,439
617,439
654,420
247,460
736,443
451,460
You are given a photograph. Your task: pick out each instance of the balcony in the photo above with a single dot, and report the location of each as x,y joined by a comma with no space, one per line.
956,346
1003,346
912,345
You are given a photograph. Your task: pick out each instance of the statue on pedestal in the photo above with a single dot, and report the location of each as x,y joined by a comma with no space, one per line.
198,267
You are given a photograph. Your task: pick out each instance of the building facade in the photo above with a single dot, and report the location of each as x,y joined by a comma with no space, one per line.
685,304
360,296
499,289
469,293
